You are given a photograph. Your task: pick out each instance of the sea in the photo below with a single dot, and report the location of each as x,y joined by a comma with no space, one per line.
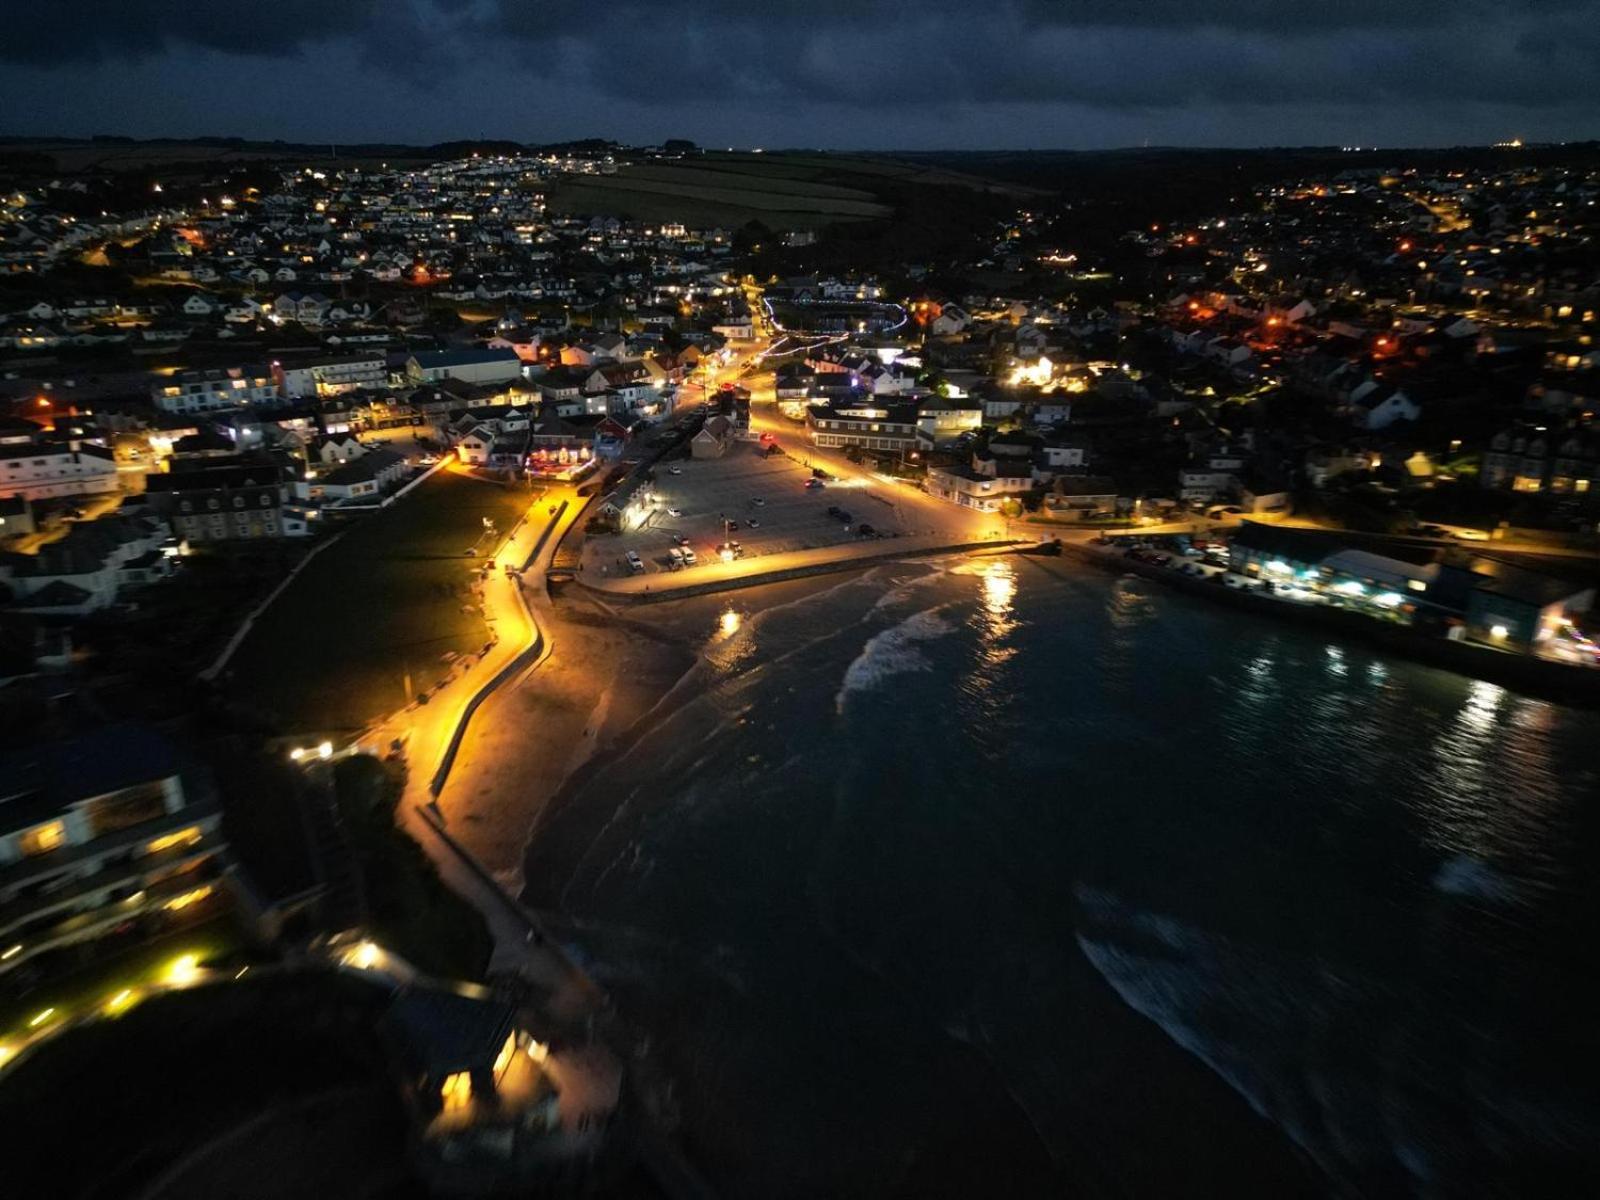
1013,877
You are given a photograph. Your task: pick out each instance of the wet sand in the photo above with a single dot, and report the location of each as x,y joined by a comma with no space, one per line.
602,675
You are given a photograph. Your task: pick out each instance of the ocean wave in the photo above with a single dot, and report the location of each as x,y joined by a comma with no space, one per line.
1473,879
893,652
902,591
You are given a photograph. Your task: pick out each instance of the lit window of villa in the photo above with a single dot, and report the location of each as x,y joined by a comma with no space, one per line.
43,838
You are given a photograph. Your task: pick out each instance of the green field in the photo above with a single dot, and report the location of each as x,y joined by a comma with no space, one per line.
391,597
729,190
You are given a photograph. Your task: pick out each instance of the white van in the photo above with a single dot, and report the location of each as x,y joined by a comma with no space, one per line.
635,563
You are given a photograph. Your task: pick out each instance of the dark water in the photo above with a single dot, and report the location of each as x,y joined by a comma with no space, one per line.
1019,879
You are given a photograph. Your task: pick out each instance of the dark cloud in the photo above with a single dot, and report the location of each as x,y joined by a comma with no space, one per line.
77,30
857,65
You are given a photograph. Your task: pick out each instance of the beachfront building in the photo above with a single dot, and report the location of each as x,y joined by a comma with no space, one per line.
494,1108
866,427
960,484
97,832
1522,609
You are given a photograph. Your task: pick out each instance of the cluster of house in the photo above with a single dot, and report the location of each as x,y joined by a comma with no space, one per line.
1386,325
304,255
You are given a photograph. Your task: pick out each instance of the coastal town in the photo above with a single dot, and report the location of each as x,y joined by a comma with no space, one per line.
319,475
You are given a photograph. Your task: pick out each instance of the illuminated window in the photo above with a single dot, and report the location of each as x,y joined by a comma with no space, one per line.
184,837
456,1091
43,838
507,1053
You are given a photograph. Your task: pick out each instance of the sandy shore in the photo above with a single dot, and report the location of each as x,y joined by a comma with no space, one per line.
603,674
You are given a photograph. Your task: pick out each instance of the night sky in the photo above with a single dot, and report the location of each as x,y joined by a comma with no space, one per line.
849,74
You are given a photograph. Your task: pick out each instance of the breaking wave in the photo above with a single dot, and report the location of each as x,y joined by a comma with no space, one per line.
893,652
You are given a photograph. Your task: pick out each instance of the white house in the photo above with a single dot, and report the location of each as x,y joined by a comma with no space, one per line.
215,390
331,374
37,470
950,321
473,449
1377,406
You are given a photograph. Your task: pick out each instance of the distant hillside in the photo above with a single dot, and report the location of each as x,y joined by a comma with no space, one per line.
783,191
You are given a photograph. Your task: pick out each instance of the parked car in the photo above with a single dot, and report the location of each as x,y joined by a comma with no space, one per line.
674,470
758,501
688,556
674,512
675,559
680,539
753,523
813,484
865,530
635,563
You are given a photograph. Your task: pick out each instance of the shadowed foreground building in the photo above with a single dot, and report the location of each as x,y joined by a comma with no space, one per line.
97,835
493,1107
